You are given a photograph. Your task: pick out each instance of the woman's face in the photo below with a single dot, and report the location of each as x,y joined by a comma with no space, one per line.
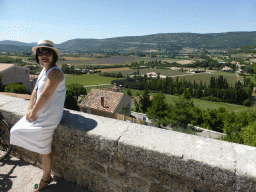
45,55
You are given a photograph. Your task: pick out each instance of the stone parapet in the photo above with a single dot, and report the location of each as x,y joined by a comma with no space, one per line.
106,154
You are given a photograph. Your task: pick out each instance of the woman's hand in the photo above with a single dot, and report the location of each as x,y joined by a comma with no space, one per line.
31,115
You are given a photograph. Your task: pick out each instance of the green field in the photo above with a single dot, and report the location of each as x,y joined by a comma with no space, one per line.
144,71
197,102
205,78
88,79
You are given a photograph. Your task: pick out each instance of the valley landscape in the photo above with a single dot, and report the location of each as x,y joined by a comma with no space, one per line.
191,61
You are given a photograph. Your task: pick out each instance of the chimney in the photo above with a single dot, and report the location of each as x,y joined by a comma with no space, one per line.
114,85
102,101
120,88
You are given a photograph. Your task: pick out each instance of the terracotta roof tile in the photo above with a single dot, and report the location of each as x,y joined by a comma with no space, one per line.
111,100
5,66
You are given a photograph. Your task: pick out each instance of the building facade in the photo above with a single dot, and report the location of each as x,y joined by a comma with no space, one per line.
15,74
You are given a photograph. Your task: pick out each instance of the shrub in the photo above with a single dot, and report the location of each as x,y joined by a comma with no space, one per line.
247,102
211,98
249,134
16,88
71,102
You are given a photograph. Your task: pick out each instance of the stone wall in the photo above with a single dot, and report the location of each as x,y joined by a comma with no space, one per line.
105,154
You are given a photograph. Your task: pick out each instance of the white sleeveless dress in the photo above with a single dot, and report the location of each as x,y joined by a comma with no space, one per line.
37,136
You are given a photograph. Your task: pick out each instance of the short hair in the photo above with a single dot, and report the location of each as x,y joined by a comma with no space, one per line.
54,55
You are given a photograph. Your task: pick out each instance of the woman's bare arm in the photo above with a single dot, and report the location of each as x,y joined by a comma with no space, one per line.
55,77
32,99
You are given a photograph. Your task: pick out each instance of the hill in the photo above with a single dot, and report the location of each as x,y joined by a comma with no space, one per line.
166,42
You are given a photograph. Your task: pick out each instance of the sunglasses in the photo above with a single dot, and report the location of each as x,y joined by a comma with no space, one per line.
47,53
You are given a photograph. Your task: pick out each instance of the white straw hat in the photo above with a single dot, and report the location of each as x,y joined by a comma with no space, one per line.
45,43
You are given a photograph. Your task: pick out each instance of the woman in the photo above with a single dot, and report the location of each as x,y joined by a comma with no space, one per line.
35,130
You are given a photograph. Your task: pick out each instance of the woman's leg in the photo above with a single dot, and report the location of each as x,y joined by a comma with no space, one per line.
47,167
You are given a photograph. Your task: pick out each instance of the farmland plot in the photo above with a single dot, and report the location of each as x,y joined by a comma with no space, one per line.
205,78
88,79
144,71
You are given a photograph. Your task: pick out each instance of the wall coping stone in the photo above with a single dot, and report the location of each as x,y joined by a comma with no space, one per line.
215,162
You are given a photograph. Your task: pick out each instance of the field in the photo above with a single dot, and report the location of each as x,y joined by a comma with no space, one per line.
241,55
114,60
88,79
100,61
200,103
144,71
205,78
115,69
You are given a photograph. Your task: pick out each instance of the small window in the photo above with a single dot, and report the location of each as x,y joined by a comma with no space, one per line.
89,111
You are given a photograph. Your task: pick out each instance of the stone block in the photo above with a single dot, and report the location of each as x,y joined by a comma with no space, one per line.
140,184
119,176
157,188
96,167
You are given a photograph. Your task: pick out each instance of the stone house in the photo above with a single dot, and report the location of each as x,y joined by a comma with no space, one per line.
15,74
175,68
151,74
105,103
227,69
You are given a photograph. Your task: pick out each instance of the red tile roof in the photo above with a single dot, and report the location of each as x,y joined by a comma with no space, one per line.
111,100
5,66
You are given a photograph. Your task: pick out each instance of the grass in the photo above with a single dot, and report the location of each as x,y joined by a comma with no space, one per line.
205,78
88,79
197,102
144,71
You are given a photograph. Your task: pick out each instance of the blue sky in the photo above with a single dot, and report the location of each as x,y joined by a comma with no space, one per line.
59,21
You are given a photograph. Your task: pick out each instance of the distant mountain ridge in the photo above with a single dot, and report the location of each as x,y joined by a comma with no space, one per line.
165,41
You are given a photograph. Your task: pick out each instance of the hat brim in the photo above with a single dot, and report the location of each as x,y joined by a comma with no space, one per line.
56,50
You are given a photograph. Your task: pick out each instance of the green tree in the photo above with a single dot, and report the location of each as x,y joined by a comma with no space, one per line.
181,114
125,110
137,106
144,102
76,89
249,134
65,68
129,92
249,69
158,111
71,101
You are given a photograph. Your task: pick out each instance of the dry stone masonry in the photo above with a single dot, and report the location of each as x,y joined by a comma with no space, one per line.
106,154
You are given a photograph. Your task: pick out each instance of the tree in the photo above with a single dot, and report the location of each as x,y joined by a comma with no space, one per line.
65,68
137,106
125,110
71,102
144,102
249,70
129,92
159,110
249,134
181,114
76,89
